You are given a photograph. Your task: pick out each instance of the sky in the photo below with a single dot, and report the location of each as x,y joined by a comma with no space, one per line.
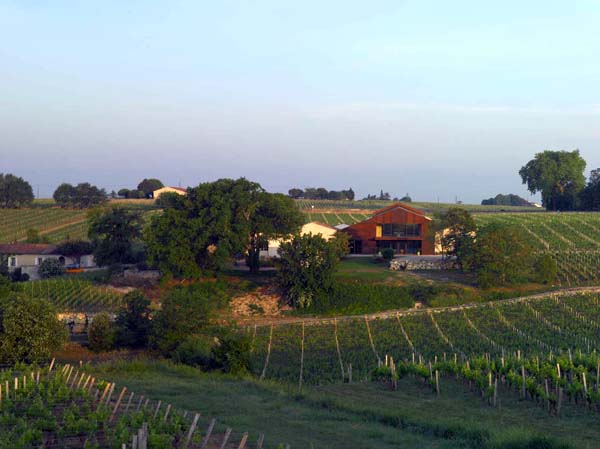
441,100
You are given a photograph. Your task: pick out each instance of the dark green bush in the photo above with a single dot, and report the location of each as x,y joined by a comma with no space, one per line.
185,311
387,253
101,333
51,268
133,321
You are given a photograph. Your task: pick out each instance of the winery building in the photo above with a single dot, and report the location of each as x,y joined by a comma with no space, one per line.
399,226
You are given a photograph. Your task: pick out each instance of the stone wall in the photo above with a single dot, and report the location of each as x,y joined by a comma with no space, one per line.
421,264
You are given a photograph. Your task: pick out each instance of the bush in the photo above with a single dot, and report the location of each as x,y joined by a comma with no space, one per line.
387,253
101,333
50,268
227,351
185,311
231,351
17,275
195,351
133,321
31,332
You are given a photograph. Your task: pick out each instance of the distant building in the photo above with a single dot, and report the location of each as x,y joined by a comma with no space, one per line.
314,227
29,256
399,226
158,192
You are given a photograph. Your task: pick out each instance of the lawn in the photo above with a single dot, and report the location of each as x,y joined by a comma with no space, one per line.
360,415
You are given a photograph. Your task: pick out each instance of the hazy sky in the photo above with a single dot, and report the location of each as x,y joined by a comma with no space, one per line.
435,98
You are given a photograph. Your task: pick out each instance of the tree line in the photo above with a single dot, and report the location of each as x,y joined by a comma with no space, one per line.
321,193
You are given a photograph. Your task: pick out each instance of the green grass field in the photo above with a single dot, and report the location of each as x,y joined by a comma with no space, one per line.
358,415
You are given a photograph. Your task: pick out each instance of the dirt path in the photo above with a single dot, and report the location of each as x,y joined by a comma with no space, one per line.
267,321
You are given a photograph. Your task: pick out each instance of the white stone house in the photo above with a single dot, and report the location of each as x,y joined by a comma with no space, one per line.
29,256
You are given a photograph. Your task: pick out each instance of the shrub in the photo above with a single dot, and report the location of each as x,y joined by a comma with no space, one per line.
50,268
195,351
101,333
231,351
227,351
133,321
184,311
387,253
31,332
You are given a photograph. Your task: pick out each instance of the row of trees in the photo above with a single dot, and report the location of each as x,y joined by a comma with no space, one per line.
82,196
385,196
321,193
559,176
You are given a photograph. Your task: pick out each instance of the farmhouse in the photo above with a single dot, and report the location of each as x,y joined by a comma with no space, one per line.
314,227
399,226
158,192
29,256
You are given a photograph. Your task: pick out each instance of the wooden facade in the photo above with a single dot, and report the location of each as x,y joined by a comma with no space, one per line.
399,226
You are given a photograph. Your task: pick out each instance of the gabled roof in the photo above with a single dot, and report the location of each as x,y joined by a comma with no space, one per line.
17,249
181,189
320,224
404,206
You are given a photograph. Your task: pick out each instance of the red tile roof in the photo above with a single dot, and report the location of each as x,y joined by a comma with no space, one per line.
27,248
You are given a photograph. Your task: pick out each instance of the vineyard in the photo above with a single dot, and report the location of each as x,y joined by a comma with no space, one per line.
429,207
65,407
73,295
335,218
14,223
334,350
573,240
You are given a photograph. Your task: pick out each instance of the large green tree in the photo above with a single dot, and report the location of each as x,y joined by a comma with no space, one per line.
14,191
202,230
306,267
276,217
114,233
558,175
148,186
500,255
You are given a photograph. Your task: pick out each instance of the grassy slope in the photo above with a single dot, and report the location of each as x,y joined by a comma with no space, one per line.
358,415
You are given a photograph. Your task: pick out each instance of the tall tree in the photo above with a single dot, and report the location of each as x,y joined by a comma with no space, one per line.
457,228
114,233
148,186
306,267
14,191
590,197
276,217
213,222
558,175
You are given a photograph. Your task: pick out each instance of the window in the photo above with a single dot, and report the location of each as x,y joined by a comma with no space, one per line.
40,260
401,230
13,261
